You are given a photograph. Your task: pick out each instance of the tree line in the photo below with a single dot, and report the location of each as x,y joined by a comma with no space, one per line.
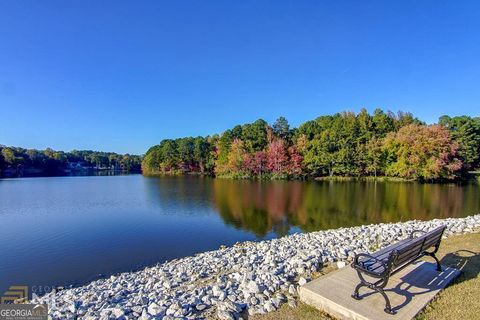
15,161
344,144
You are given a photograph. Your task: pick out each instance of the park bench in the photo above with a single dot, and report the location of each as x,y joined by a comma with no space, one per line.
388,261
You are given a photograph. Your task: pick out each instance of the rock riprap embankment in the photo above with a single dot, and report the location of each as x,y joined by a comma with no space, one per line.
253,277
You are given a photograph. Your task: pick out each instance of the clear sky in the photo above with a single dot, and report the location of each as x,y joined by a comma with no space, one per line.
122,75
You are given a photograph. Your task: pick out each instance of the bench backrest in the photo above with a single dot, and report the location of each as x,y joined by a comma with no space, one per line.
412,249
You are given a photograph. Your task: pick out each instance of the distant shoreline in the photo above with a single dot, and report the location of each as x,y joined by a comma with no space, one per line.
20,162
76,173
471,177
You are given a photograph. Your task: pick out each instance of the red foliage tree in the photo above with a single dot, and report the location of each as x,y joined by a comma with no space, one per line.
277,159
295,161
256,163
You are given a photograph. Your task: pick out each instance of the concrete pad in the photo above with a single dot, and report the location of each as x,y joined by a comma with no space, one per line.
409,292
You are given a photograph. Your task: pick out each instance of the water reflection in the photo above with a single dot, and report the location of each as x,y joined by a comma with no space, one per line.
261,206
180,195
72,221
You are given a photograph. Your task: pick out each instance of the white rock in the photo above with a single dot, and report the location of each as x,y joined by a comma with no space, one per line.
201,306
269,307
117,313
253,287
225,315
249,274
302,281
154,309
145,316
72,308
292,290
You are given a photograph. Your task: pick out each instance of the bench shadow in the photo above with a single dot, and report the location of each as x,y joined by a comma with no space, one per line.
465,261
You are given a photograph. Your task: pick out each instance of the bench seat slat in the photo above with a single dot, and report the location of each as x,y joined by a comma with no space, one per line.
385,252
431,242
373,266
407,257
415,246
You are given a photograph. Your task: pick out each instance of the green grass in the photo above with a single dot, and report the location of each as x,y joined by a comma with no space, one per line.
460,300
301,312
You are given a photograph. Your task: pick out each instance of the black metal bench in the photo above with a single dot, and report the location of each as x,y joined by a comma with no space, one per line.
388,261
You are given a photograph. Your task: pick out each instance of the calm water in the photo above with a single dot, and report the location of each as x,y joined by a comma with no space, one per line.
69,230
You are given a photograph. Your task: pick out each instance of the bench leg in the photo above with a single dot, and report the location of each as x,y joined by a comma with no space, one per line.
439,267
388,307
363,283
377,287
355,294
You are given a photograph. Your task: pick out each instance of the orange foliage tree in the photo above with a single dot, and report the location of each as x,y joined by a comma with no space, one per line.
422,152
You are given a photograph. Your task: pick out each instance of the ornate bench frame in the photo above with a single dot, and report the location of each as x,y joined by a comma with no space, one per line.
395,258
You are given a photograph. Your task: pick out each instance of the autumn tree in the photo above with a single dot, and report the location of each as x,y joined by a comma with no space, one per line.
256,163
277,156
236,156
422,152
295,162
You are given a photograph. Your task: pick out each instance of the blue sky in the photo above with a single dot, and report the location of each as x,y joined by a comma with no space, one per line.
122,75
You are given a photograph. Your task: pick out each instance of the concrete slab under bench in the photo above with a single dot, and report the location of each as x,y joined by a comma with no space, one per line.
409,292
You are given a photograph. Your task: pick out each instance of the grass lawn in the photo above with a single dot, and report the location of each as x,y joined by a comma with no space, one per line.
460,300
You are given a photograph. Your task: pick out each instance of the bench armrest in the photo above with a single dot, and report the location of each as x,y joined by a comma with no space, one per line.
412,235
360,265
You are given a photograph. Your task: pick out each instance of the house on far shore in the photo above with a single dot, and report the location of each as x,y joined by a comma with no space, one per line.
78,166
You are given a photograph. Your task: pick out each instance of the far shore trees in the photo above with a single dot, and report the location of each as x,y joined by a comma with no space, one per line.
344,144
17,161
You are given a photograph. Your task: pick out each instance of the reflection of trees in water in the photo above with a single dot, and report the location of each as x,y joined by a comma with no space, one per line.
173,193
252,206
262,206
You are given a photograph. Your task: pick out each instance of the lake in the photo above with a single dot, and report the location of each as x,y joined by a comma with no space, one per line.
70,230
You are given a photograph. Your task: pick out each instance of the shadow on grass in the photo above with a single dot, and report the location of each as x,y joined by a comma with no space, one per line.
468,262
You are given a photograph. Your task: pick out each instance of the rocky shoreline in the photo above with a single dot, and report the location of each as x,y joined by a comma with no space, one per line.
250,277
